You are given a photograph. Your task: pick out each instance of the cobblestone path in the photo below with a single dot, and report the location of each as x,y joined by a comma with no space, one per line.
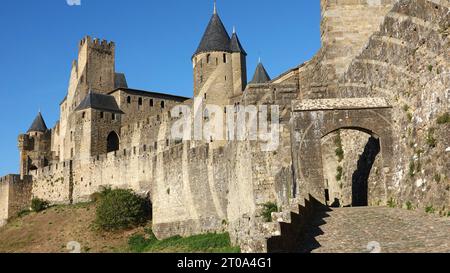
350,230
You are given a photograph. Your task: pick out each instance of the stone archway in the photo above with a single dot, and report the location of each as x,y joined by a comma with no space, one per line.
351,167
312,120
112,142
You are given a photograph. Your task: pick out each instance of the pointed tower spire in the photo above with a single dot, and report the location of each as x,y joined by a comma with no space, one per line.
235,44
261,75
216,37
38,124
215,6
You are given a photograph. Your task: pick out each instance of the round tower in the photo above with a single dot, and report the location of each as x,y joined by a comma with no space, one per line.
214,72
34,146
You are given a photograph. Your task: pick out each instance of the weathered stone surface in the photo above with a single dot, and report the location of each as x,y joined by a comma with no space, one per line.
381,76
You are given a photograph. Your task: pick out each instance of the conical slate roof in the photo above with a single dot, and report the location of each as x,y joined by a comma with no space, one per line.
216,37
235,45
38,124
261,75
100,102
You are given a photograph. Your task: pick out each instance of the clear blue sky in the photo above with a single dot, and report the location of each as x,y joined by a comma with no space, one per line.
155,40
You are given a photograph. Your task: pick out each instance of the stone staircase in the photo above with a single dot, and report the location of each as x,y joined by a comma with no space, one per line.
285,232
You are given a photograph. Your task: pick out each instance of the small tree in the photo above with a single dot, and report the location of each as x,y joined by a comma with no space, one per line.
121,209
38,205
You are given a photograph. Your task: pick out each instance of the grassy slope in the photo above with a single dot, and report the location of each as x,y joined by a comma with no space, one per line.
50,231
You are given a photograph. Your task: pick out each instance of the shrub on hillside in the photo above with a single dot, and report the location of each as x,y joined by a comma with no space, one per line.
121,209
38,205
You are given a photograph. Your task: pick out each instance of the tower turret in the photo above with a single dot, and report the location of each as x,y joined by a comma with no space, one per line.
239,62
218,64
35,146
261,75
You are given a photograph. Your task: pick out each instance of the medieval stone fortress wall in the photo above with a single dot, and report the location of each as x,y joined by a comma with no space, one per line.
375,91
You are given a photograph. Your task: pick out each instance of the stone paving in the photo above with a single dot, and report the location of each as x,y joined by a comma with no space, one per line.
350,230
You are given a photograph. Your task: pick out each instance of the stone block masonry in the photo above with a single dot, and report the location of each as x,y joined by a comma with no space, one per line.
15,196
377,86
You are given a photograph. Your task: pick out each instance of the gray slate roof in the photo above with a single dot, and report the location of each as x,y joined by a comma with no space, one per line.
38,124
235,45
100,102
120,81
216,37
261,75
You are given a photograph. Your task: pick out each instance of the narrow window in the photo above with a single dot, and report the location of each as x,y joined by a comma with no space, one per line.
128,99
113,116
205,96
151,103
140,102
207,58
84,115
102,115
163,105
224,58
217,61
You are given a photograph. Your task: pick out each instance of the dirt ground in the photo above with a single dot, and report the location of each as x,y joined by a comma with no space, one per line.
51,231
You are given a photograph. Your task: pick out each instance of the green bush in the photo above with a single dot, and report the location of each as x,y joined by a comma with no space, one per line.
268,208
38,205
445,118
121,209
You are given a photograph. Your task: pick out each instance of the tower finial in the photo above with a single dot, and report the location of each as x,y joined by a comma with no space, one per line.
234,30
215,6
259,60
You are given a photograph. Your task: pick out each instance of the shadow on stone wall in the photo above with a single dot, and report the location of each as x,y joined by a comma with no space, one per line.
360,177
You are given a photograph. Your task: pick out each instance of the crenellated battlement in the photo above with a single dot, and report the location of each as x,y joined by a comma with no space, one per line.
97,44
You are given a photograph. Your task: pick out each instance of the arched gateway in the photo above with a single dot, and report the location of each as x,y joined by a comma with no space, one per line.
112,142
313,120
